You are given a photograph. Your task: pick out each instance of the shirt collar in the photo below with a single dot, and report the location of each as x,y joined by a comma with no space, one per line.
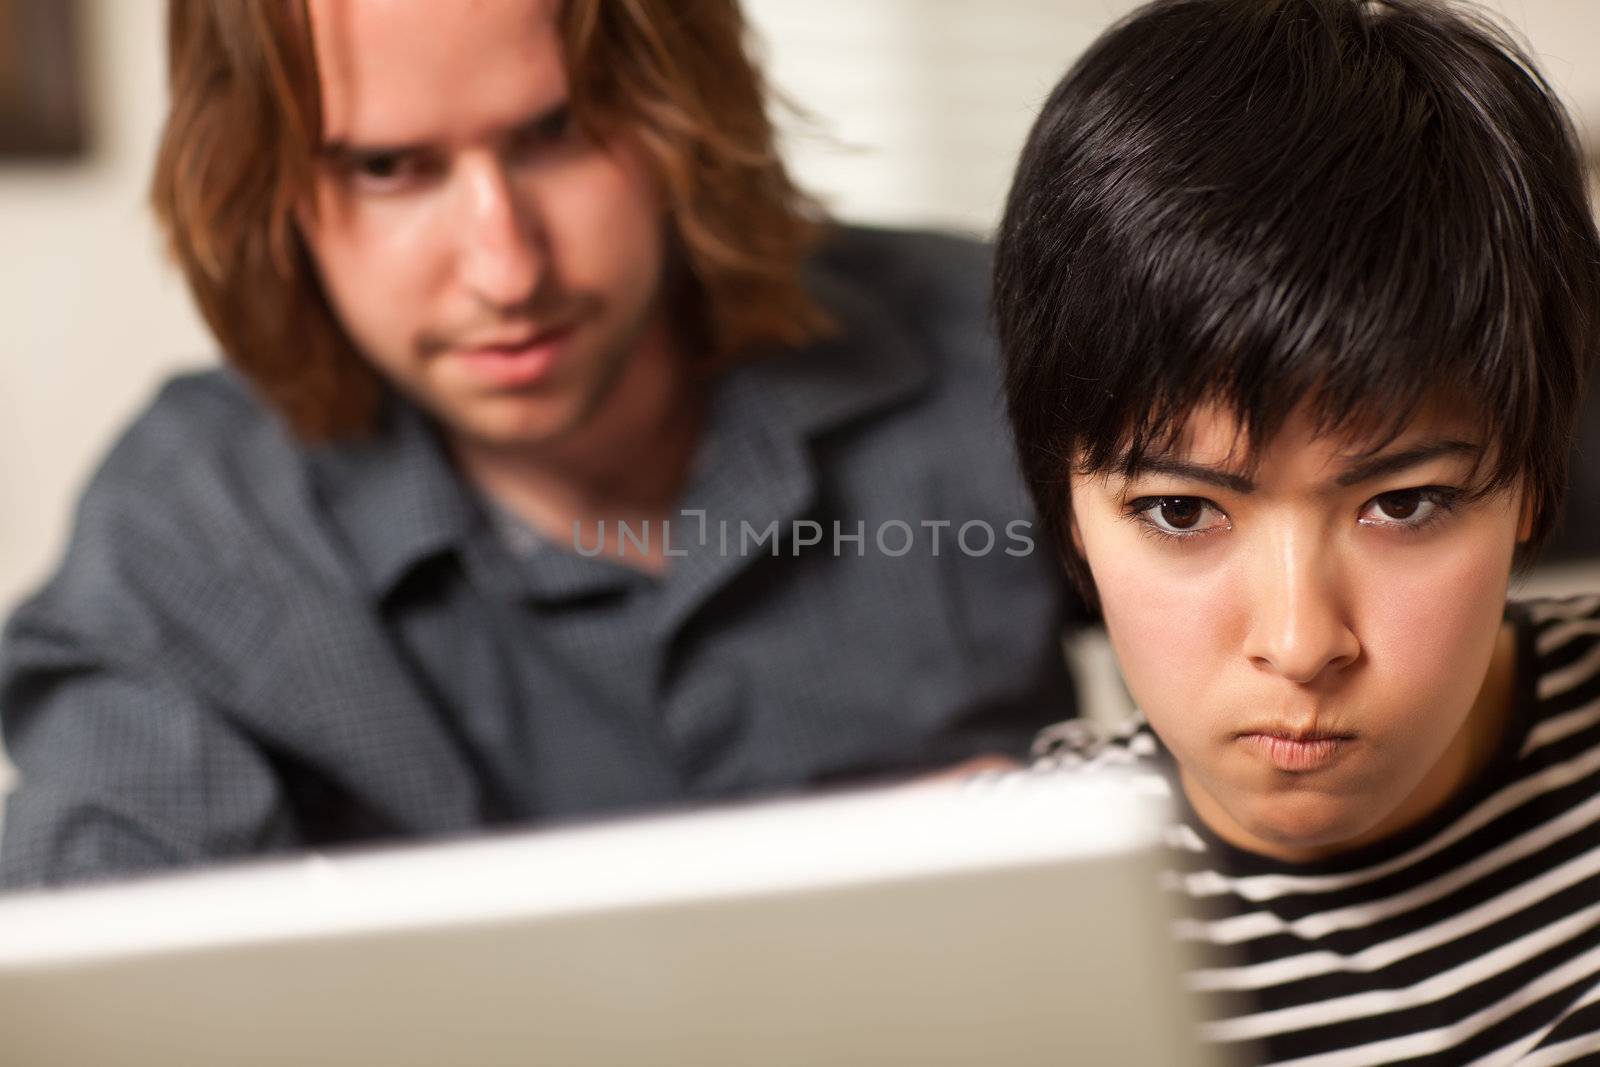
757,463
399,502
394,496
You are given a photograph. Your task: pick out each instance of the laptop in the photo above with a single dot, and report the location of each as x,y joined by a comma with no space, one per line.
1012,921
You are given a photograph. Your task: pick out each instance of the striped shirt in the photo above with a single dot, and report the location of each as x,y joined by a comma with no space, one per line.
1473,937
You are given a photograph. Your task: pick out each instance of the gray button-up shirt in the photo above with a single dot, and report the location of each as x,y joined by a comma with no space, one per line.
255,646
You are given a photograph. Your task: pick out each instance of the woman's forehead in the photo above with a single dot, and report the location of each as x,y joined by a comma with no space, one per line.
1215,429
1302,447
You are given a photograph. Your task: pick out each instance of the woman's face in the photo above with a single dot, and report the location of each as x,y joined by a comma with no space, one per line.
1313,641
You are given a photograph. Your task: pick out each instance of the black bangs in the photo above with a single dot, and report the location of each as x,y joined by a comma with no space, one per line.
1361,208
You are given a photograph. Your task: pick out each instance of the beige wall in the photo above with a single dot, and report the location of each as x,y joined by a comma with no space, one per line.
926,102
89,316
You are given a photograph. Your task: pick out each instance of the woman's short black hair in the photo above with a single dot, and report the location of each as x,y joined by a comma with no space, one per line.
1360,205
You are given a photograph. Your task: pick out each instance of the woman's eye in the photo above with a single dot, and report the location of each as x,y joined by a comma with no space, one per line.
1407,507
1179,515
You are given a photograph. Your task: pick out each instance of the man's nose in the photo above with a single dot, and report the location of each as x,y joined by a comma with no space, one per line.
502,241
1300,627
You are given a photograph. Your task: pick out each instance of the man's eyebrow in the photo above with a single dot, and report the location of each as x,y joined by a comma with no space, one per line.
1367,470
342,149
338,150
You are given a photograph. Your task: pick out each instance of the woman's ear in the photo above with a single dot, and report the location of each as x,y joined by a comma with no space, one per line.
1525,519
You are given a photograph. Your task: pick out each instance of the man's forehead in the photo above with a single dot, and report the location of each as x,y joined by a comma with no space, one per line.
407,71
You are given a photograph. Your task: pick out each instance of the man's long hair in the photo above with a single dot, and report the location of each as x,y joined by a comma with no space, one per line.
244,128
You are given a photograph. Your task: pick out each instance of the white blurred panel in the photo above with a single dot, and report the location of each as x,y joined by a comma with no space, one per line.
1564,37
920,105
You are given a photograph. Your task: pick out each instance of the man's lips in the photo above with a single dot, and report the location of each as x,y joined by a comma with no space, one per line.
515,340
514,362
1297,751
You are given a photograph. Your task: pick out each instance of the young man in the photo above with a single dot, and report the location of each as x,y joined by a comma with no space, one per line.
564,465
1321,282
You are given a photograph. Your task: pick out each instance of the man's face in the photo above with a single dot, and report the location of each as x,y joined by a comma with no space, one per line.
494,263
1312,642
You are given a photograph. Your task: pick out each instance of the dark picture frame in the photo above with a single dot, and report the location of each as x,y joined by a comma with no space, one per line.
41,91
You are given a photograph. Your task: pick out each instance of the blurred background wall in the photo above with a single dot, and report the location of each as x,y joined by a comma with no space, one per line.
90,315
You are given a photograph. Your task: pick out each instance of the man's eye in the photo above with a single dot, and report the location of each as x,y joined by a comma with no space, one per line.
380,166
384,171
1413,508
556,128
1178,516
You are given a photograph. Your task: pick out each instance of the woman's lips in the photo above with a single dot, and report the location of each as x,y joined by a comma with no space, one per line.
1298,755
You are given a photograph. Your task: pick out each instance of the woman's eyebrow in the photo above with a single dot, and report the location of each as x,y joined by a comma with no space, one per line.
1360,471
1374,467
1177,468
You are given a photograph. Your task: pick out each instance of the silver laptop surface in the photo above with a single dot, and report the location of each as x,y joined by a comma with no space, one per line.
1010,923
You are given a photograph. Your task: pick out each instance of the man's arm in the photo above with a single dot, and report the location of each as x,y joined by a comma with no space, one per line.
118,677
120,771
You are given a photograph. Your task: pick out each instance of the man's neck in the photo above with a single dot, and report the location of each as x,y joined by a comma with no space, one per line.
627,463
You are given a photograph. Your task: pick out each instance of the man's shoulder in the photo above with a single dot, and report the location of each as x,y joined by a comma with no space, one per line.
209,482
169,530
201,482
911,266
917,300
200,413
203,437
935,283
912,307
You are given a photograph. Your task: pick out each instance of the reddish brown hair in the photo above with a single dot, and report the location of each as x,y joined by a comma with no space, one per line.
245,125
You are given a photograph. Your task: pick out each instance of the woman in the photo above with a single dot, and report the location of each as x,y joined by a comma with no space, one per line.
1297,299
